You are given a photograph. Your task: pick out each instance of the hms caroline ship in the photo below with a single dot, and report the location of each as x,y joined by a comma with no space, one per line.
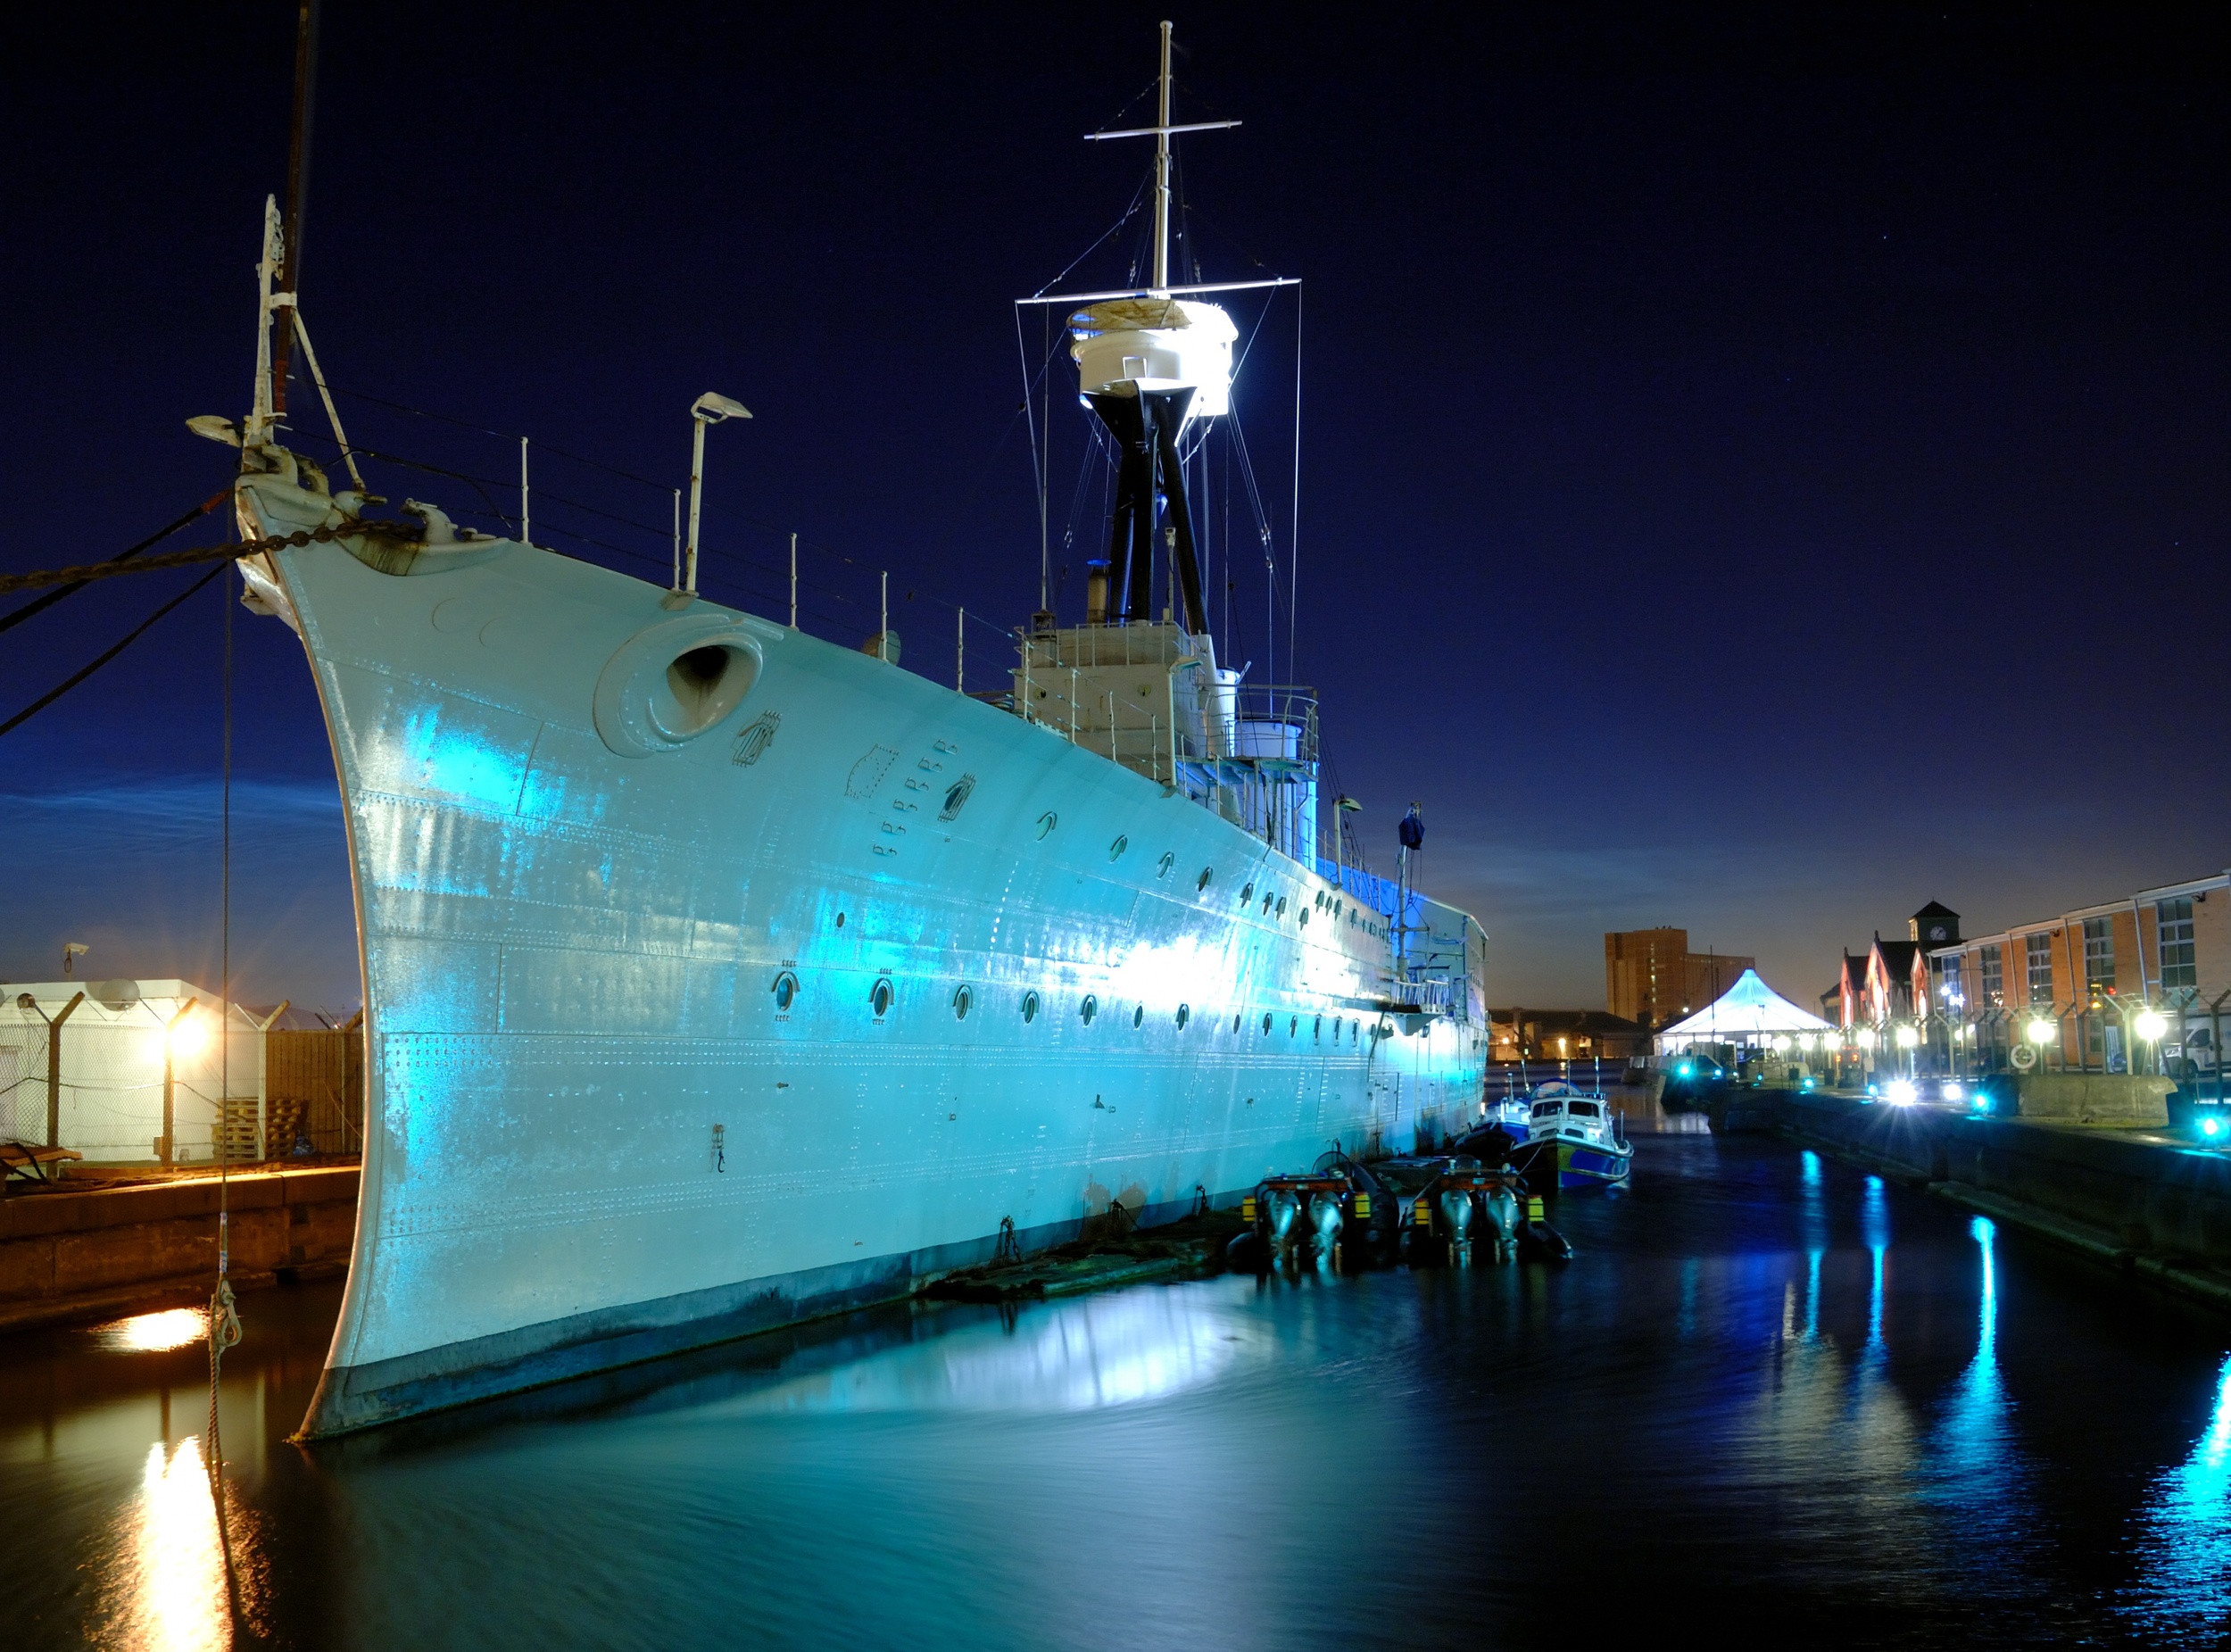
716,977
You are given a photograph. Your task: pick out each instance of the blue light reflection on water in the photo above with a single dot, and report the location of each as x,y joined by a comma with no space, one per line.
1978,1476
1775,1393
2183,1538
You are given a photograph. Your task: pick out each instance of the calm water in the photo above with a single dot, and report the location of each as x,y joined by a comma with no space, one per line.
1769,1389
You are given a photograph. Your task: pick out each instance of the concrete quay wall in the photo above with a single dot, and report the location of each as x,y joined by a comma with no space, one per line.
2147,1203
72,1254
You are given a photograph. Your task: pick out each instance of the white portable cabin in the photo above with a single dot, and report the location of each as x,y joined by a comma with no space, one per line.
119,1040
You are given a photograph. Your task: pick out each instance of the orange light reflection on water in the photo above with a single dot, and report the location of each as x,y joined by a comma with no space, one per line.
167,1593
153,1333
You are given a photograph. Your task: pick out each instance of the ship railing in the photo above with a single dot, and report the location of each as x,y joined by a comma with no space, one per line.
1425,995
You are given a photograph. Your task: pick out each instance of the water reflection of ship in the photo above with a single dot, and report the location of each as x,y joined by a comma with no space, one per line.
718,977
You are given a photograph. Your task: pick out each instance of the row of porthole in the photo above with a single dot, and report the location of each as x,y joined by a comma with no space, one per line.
883,994
1323,902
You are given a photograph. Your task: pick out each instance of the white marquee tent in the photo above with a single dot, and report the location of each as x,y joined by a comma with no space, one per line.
1748,1012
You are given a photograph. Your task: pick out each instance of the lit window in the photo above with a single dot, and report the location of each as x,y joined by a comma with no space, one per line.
2174,930
2099,952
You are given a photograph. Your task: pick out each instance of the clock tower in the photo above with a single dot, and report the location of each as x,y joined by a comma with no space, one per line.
1934,925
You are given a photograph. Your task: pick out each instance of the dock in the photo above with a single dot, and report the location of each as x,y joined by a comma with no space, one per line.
81,1249
2141,1200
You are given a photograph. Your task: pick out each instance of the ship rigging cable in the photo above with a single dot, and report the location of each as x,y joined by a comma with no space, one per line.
131,636
40,604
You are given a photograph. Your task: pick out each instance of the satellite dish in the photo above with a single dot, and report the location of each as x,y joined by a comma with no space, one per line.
116,995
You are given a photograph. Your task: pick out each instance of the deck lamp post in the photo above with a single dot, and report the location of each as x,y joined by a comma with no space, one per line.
709,409
179,1039
2149,1024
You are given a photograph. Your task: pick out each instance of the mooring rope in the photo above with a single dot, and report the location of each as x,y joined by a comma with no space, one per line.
224,1313
39,605
370,529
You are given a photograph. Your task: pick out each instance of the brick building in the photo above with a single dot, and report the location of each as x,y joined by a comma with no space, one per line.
1890,980
1652,978
2091,970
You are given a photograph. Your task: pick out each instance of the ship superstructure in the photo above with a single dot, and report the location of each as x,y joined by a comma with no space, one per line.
718,977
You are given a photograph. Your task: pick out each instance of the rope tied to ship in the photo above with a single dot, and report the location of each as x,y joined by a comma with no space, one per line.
368,529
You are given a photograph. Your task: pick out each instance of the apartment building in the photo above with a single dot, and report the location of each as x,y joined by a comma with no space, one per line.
1651,977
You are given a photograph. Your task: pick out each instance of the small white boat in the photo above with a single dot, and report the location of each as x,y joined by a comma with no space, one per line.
1578,1136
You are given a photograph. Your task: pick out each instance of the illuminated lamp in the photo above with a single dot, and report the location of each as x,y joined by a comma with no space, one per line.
189,1036
1866,1038
2040,1031
1781,1043
2211,1126
2151,1025
1952,1089
1908,1037
1901,1091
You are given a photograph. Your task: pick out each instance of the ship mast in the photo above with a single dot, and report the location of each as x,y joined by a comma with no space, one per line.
1162,176
1161,131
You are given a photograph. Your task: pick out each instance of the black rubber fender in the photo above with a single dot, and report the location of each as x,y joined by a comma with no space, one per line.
1538,1242
1248,1253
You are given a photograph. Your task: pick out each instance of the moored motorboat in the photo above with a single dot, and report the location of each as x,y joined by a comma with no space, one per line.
1573,1139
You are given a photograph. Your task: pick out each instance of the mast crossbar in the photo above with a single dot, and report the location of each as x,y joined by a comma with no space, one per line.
1159,292
1150,131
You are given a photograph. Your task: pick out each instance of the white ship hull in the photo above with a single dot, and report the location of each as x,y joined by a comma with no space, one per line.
592,1134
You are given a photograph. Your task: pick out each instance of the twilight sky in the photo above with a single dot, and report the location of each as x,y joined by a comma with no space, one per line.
1761,469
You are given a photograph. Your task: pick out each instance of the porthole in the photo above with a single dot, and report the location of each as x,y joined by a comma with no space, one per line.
1185,1014
1266,1023
1246,894
785,992
1030,1006
1281,906
964,1000
1088,1009
1115,850
1235,1023
880,997
1139,1016
1162,866
1267,904
1047,822
839,920
1304,918
1206,875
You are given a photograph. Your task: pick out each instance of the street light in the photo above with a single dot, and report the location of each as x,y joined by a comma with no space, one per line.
2151,1025
709,409
2040,1031
1908,1038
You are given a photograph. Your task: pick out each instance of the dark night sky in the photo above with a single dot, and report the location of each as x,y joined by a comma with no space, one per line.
1762,470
